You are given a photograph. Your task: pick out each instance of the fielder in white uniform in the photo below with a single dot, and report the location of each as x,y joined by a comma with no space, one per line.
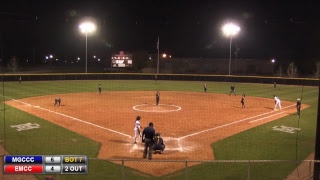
277,103
136,129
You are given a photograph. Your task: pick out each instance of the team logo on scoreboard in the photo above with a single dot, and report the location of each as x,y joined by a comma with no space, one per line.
26,126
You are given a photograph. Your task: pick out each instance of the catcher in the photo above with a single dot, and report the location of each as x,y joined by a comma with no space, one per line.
136,129
158,146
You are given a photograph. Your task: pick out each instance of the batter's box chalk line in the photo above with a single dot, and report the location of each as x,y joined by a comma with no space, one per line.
172,144
161,108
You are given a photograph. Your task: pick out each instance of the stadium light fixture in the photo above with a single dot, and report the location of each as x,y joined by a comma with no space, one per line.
230,30
86,28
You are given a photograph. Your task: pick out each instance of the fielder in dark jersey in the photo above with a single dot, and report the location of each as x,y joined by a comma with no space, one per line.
205,87
157,98
159,145
232,90
243,101
57,101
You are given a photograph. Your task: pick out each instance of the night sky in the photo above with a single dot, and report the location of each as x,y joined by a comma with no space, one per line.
269,29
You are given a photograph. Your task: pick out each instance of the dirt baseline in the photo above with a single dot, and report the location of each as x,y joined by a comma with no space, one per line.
189,122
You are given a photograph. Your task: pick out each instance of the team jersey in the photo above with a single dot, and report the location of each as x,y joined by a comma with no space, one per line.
137,125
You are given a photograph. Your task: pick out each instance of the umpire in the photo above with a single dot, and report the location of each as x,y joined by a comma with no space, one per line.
147,137
298,106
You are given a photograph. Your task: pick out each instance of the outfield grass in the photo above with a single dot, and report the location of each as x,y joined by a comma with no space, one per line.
260,143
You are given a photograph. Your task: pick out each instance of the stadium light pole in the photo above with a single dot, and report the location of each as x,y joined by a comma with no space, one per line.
230,30
87,27
273,61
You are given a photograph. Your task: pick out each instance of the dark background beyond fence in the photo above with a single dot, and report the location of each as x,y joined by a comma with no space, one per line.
170,77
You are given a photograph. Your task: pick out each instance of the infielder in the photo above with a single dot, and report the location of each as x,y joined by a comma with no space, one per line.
157,98
243,101
136,129
277,103
57,101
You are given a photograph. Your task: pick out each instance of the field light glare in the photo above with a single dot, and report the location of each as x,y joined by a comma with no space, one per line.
230,29
87,27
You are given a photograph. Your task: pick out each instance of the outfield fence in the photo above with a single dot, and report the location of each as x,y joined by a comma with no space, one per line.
205,169
170,77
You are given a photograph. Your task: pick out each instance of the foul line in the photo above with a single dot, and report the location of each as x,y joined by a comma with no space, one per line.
265,117
228,124
73,118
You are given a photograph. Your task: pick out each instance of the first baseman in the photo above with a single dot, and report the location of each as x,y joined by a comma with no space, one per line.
277,102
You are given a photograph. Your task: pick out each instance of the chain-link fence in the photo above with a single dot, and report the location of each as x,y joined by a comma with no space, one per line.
166,77
189,170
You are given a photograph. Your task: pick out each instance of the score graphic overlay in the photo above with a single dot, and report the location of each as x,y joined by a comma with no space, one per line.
55,164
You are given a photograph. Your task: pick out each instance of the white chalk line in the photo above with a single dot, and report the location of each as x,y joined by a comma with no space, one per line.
265,117
73,118
136,107
231,123
180,147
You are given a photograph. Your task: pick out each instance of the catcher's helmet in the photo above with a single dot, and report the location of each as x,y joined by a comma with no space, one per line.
157,134
138,117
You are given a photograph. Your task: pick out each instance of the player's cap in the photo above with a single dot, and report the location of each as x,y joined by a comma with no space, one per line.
138,117
157,134
151,124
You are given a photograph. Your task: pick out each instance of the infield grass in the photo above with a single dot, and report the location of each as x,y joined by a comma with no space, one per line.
260,143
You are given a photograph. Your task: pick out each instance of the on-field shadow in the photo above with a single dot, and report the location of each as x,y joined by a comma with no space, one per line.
268,108
236,106
121,141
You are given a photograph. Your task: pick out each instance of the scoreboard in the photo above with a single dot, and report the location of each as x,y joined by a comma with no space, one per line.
121,60
54,164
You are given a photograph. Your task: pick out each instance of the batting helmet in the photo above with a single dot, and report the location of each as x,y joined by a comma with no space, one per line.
138,117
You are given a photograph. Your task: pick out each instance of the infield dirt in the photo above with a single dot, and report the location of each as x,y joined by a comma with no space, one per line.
109,118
